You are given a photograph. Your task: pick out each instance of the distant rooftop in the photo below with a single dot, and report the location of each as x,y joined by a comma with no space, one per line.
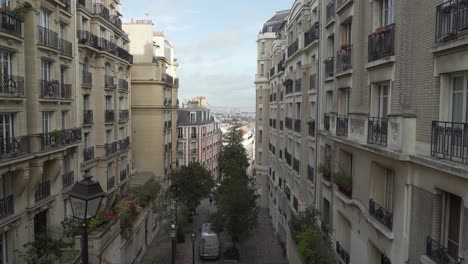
274,23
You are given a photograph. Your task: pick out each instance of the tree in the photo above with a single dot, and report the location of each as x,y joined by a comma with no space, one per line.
233,157
190,184
43,250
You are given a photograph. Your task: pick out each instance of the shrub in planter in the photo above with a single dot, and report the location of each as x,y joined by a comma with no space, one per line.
288,82
325,168
56,133
72,226
232,253
343,180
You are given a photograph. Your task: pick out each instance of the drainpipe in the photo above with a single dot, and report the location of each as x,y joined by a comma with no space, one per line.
319,99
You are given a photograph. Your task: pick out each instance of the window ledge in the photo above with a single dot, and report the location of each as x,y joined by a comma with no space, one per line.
380,62
332,21
330,78
450,45
344,73
326,183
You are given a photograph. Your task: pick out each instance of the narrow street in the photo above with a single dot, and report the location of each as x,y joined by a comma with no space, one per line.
260,248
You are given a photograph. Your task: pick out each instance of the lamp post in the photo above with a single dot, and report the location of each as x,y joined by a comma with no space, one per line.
172,234
193,248
85,199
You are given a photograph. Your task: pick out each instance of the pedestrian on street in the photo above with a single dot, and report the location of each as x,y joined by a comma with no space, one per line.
211,200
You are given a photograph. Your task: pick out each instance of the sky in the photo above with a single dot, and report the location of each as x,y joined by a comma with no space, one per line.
215,43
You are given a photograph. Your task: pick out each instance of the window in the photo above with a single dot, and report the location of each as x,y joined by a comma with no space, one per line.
122,133
382,186
47,122
63,31
46,70
110,173
193,117
194,132
329,102
65,119
44,18
87,139
385,12
3,248
451,220
121,103
109,136
63,75
6,64
7,130
459,99
67,210
103,33
346,33
263,47
269,28
331,47
379,95
180,133
86,102
260,136
298,110
346,162
5,185
84,24
262,69
343,108
109,103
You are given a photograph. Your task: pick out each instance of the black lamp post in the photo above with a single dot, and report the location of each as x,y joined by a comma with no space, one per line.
172,234
193,247
85,198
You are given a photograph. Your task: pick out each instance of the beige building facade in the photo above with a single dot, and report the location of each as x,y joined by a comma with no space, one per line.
154,99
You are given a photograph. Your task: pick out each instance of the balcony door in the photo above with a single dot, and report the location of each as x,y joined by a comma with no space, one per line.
47,122
5,186
343,107
459,99
379,107
46,70
7,129
6,63
451,224
44,17
4,248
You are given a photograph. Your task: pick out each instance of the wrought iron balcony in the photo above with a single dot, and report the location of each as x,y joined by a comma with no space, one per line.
107,46
167,78
87,38
293,48
11,23
297,125
311,35
123,54
311,128
60,138
87,78
451,19
288,123
123,174
11,86
326,121
68,179
7,206
109,116
330,11
312,81
42,191
377,131
310,173
343,59
67,4
123,115
449,141
123,85
342,125
381,43
116,21
66,91
381,214
110,182
329,67
298,85
14,147
48,37
50,89
439,254
65,47
101,10
124,144
87,116
88,153
344,256
111,148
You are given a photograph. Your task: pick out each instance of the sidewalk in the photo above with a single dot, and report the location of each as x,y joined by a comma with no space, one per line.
159,251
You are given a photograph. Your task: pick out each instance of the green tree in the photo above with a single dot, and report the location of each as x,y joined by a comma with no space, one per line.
233,157
43,250
190,184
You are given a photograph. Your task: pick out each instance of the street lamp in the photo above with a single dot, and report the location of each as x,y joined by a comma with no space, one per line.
85,199
193,248
172,234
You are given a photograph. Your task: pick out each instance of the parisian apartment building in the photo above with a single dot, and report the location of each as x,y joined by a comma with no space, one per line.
374,93
199,137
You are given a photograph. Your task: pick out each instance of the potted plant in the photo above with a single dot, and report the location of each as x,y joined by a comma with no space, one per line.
56,133
344,46
344,181
382,29
288,82
325,169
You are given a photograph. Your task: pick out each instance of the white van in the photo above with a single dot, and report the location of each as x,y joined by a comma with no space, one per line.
209,242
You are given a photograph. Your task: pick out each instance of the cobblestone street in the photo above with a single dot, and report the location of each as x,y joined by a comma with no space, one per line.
261,248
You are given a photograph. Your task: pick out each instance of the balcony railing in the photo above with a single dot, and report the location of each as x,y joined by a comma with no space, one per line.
48,37
381,214
297,125
381,43
329,67
6,206
87,78
116,21
377,131
60,138
65,47
110,182
296,165
330,11
50,89
87,38
288,123
293,48
343,59
326,121
67,4
451,18
312,81
68,179
124,144
66,91
298,85
449,141
109,116
123,115
10,23
439,254
123,85
168,78
310,173
123,174
123,54
42,191
14,147
108,46
344,256
111,148
311,128
311,35
11,86
342,125
101,10
88,153
87,116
